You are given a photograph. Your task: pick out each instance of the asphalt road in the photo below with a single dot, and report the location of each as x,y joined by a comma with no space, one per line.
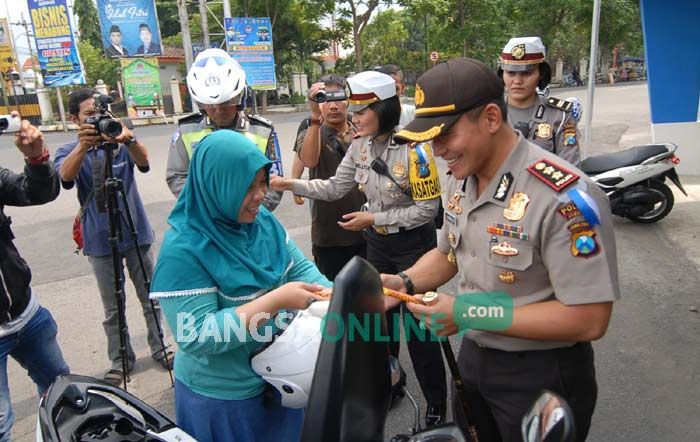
647,364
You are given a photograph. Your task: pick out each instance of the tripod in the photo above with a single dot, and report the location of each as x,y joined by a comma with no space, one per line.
114,187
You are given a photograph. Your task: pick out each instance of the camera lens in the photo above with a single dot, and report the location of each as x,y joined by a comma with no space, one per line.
111,128
320,97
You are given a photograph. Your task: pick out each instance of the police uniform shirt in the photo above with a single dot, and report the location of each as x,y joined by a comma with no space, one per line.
549,126
526,238
387,201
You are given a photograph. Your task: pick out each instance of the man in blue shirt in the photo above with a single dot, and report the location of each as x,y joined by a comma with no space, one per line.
82,163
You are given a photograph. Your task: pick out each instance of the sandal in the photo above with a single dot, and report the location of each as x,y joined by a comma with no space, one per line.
166,363
114,377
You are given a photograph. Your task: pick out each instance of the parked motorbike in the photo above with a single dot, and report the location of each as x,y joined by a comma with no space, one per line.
634,180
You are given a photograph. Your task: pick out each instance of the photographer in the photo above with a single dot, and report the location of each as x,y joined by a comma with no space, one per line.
83,162
27,330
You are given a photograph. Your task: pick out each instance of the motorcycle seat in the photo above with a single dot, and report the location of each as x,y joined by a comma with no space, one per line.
628,157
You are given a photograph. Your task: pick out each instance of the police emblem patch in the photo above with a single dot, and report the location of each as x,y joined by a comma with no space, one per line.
518,51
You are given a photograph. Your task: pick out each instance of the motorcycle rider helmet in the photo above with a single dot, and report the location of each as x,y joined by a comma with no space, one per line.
526,54
216,78
288,362
369,87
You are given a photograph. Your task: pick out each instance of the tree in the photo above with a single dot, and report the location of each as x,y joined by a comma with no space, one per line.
88,22
358,14
97,66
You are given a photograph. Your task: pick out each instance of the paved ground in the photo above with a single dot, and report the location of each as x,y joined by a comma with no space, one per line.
647,364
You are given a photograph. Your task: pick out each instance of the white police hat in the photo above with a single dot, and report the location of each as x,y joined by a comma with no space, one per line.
369,87
522,54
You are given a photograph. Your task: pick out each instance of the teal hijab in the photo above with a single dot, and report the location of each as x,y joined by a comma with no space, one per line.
241,258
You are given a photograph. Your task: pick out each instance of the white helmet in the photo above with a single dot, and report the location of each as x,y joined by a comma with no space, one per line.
215,78
288,363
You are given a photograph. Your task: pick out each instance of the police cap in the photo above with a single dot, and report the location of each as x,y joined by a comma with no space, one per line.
445,92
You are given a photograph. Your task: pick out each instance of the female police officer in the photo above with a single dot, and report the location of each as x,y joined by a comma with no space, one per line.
403,194
546,121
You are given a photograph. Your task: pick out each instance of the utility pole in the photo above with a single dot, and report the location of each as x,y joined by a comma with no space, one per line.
227,8
186,39
205,23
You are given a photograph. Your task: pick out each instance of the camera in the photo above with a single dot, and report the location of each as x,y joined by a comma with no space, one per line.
10,123
323,96
104,122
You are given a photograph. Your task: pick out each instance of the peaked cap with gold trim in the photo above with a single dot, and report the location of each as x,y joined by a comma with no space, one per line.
445,92
369,87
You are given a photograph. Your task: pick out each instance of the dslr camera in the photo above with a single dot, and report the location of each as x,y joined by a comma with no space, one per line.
103,121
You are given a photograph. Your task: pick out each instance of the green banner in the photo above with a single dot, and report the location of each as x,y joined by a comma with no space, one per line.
141,81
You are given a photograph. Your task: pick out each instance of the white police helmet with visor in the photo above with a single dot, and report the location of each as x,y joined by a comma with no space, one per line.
216,79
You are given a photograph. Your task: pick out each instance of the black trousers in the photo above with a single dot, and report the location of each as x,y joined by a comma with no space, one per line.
502,386
392,254
331,260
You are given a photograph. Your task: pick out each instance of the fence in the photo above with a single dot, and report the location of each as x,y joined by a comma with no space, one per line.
27,105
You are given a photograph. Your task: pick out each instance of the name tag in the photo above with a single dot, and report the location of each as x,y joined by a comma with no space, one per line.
451,218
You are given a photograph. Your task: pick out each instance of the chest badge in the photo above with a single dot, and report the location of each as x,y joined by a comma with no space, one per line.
399,169
516,207
544,131
506,277
504,249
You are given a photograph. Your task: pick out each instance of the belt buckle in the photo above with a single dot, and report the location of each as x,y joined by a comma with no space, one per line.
382,230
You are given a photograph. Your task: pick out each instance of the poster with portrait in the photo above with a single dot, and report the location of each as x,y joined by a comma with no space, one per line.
57,52
129,28
249,41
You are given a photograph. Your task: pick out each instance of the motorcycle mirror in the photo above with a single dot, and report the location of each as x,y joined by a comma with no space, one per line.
549,420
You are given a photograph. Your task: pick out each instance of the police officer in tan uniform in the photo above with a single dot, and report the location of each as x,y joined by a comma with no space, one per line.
519,221
403,193
549,122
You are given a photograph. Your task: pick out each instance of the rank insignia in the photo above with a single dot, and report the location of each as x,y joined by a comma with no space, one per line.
503,186
506,277
554,176
504,249
544,131
399,170
516,207
583,242
564,105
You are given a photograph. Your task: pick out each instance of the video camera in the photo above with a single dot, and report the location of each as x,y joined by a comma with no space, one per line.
104,122
10,123
323,96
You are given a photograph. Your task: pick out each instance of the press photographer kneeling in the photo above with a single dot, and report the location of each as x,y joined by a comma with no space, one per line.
83,162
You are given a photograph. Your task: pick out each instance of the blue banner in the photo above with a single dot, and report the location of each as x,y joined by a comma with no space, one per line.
249,41
129,28
57,52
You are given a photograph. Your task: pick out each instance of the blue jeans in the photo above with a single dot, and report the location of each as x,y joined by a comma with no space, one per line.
35,348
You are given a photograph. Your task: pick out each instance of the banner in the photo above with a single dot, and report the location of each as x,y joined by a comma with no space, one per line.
141,82
249,41
57,51
7,62
129,28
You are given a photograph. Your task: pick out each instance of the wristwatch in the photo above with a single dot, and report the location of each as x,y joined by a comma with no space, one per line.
130,142
408,282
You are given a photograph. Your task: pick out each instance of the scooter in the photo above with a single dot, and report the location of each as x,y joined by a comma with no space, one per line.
634,180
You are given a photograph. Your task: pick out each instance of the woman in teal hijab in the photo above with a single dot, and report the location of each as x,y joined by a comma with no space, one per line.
225,268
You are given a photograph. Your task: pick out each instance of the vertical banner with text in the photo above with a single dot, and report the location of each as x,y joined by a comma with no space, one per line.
249,41
57,51
7,61
129,28
141,81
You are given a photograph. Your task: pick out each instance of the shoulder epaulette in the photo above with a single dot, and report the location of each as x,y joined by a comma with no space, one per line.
560,104
553,175
192,118
257,119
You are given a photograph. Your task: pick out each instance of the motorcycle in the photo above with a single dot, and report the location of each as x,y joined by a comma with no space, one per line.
634,180
349,397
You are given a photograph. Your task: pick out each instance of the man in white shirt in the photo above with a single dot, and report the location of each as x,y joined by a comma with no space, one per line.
408,111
